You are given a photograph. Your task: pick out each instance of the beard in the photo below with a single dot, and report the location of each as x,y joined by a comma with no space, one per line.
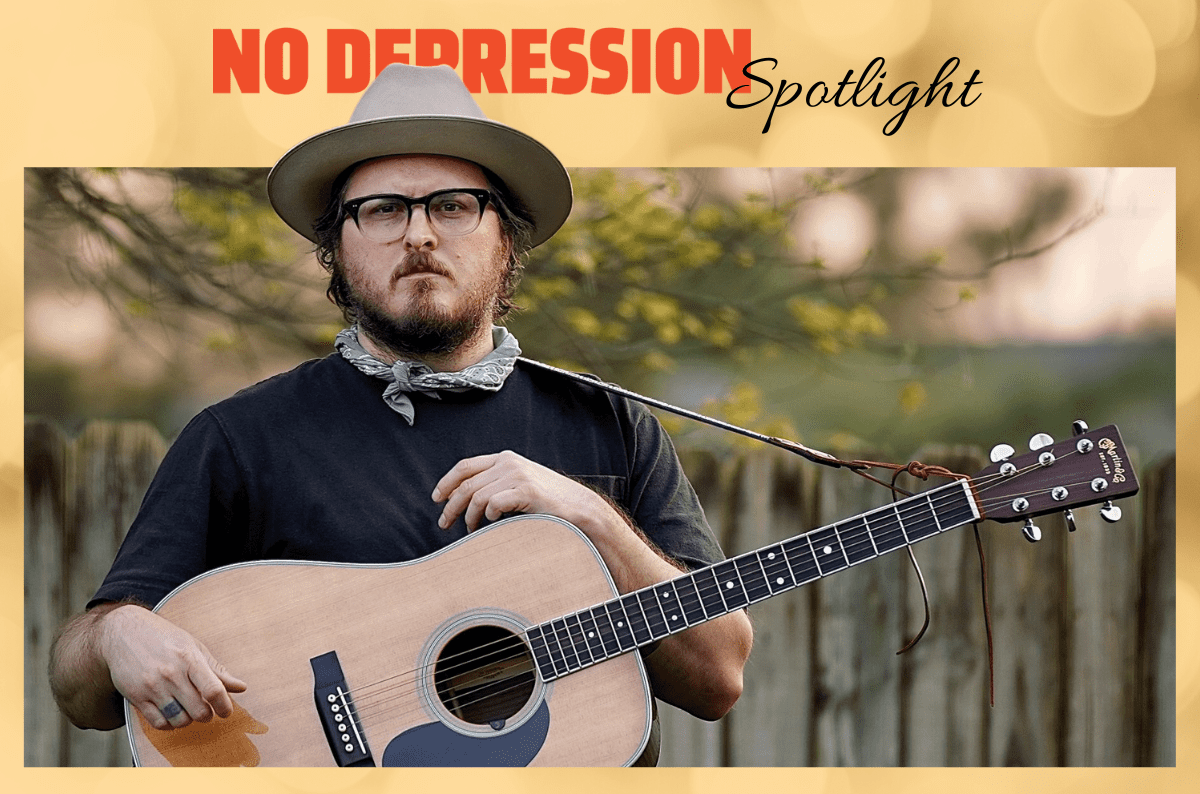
425,328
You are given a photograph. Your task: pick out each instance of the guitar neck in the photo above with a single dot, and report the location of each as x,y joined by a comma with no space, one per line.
578,640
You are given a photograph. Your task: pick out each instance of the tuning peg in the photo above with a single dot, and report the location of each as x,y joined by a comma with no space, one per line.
1040,440
1078,427
1110,512
1001,452
1031,531
1070,517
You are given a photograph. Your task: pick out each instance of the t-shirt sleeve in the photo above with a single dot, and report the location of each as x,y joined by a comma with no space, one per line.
188,519
661,500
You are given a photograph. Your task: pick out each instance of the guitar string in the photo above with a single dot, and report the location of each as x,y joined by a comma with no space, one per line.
578,616
844,535
582,661
489,689
851,536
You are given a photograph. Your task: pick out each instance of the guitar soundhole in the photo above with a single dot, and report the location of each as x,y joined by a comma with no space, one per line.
484,675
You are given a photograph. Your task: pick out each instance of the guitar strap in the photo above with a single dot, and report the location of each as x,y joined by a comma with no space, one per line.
859,467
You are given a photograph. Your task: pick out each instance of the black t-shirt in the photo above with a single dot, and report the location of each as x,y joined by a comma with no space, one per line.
313,465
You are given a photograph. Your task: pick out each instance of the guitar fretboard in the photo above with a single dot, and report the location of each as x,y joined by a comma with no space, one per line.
581,639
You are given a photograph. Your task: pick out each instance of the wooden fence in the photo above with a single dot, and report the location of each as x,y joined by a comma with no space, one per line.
1083,623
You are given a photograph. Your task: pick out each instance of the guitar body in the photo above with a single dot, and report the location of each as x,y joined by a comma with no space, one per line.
428,651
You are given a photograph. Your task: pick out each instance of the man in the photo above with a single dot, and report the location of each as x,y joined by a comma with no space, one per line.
420,429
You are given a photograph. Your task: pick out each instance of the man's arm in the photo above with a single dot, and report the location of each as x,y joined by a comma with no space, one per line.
118,650
699,670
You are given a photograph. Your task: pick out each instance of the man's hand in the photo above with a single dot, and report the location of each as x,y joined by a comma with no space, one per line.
488,486
154,663
700,669
128,650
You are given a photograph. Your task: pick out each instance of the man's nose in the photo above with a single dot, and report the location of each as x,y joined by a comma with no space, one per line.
420,233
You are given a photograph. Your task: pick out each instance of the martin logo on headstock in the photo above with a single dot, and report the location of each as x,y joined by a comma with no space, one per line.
1089,468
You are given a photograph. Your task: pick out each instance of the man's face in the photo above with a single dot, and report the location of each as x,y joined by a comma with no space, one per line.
423,293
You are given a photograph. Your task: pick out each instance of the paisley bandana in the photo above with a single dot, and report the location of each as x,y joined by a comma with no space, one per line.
413,376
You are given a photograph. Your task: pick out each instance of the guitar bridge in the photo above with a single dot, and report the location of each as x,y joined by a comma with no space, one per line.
338,716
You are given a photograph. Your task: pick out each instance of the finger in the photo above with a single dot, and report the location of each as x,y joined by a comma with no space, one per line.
464,496
150,712
195,706
165,712
486,502
465,468
212,692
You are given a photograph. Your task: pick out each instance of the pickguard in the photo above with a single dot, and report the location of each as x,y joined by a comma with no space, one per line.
435,744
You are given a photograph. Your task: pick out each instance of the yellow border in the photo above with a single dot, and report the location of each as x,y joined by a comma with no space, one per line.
128,82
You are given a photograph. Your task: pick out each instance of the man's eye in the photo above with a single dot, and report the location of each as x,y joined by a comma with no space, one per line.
383,208
452,205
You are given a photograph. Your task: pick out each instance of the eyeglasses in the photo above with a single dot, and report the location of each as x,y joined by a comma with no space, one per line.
384,218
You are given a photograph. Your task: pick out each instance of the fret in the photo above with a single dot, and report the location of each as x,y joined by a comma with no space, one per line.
752,576
860,534
710,593
856,540
537,643
919,524
827,549
900,523
885,535
689,600
656,620
587,620
733,592
559,627
960,511
620,622
668,600
634,619
608,632
557,656
801,559
579,640
788,562
775,569
637,618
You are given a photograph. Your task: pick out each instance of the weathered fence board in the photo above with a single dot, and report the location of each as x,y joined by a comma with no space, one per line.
1084,625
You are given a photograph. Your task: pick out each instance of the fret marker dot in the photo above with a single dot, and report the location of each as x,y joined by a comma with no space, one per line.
674,617
591,634
779,580
771,556
828,549
620,624
729,585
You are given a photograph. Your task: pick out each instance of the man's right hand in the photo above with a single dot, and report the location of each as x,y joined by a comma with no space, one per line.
154,663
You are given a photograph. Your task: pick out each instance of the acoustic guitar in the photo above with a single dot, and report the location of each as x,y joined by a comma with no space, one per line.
485,655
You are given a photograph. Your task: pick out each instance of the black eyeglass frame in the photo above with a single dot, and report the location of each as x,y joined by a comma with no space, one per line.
482,195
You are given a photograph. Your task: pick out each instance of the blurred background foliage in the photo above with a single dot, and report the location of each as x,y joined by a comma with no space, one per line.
153,292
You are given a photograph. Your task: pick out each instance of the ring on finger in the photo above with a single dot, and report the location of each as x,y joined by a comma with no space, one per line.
171,709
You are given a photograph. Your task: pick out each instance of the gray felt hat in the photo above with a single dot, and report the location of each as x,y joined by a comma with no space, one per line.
420,110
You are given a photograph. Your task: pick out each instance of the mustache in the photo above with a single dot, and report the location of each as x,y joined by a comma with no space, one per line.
420,262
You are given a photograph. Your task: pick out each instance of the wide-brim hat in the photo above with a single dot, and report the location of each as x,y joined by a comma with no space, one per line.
420,110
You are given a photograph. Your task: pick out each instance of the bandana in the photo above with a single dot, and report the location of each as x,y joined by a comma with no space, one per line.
413,376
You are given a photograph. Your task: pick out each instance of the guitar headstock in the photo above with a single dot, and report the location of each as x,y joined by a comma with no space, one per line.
1089,468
